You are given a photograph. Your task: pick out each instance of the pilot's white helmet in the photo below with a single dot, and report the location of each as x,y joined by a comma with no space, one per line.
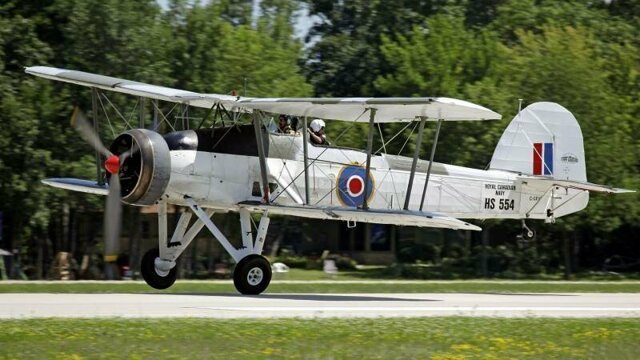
316,125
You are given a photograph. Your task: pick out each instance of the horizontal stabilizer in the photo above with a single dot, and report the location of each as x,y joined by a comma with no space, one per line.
377,216
575,185
80,185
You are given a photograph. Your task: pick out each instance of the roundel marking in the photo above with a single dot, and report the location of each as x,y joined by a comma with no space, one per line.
351,185
355,185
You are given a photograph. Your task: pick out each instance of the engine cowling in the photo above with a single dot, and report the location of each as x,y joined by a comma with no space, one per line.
146,168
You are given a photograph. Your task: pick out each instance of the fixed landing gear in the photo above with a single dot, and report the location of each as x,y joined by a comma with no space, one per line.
154,277
527,234
252,275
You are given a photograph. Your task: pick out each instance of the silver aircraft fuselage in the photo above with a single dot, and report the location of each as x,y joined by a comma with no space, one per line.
220,180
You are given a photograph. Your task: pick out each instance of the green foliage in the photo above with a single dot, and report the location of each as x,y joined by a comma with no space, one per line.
346,58
544,51
293,261
112,37
584,55
435,61
209,48
219,56
249,56
561,64
445,59
23,161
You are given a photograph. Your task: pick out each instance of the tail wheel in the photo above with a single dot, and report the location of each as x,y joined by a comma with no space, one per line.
151,276
528,234
252,275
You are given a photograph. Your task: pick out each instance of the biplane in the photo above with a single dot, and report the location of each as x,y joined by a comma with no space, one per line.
537,171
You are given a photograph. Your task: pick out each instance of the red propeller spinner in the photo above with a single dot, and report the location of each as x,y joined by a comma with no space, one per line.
112,164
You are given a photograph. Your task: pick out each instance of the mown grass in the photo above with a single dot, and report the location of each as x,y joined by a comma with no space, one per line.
186,287
434,338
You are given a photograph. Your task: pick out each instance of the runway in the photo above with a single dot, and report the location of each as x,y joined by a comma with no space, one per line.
22,306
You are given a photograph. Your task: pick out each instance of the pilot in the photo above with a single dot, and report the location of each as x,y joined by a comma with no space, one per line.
316,132
283,125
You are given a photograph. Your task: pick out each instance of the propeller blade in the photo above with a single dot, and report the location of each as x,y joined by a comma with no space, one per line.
81,124
112,220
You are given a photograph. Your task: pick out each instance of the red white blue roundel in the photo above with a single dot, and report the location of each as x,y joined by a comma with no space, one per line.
351,186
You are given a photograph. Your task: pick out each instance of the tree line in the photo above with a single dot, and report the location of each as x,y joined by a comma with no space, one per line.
582,54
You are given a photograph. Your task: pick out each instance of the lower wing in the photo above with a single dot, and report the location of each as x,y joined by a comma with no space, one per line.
378,216
81,185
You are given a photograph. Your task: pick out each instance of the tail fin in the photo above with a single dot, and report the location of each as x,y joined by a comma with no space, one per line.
543,139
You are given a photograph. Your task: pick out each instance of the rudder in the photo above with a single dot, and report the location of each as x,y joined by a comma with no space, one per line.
544,139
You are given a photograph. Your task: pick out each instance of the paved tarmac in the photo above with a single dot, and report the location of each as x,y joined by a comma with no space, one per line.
21,306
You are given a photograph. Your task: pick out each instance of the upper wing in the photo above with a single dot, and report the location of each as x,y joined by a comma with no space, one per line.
387,109
345,109
378,216
130,87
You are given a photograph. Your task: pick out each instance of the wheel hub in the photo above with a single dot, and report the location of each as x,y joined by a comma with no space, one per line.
255,276
162,267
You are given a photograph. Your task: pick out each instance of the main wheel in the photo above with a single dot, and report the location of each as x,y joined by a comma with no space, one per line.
150,274
252,275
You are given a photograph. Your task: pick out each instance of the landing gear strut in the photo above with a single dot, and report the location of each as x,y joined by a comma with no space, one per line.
252,273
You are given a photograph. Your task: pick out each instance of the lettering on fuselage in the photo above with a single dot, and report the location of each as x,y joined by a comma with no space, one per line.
499,197
489,203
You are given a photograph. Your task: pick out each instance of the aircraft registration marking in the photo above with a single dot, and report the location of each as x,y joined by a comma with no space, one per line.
499,197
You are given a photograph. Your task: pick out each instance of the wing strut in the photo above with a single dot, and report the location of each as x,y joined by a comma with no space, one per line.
423,119
257,125
305,149
433,152
372,117
94,104
154,104
141,113
206,116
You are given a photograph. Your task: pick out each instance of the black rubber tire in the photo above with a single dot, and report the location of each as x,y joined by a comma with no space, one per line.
528,237
149,274
241,275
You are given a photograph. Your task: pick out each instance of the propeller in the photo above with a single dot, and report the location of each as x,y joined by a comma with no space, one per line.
113,209
81,124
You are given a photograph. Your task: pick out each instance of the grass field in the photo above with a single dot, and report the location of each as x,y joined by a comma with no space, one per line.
435,338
